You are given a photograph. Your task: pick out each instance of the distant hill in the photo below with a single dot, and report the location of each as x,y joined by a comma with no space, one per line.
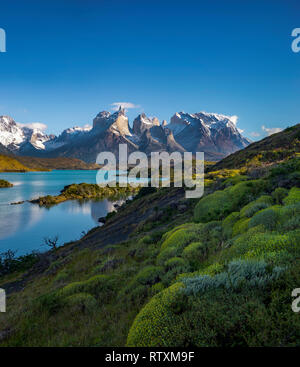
55,163
11,163
271,149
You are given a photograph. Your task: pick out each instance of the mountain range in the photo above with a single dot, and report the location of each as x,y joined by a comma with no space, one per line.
214,134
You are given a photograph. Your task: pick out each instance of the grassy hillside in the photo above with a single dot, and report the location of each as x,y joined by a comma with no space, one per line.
12,163
166,271
274,148
55,163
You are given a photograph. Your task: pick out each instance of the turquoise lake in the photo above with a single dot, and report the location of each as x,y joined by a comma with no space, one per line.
24,226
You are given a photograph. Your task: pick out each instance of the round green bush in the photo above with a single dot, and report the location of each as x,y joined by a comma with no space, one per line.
267,217
156,325
101,286
262,202
195,252
179,238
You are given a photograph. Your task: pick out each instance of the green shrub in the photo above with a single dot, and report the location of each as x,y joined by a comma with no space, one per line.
211,234
175,262
221,203
49,303
174,267
239,274
211,270
149,275
195,252
166,235
168,253
99,285
156,288
262,202
229,222
241,226
147,239
279,194
212,207
175,242
234,180
254,244
293,196
267,217
61,277
155,325
179,238
177,318
291,224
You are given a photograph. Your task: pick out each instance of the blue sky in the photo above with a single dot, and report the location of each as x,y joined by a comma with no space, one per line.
67,60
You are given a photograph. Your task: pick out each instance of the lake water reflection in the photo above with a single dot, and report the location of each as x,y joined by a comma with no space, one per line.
23,227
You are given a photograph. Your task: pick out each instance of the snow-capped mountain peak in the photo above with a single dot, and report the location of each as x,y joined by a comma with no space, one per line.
11,135
14,136
215,134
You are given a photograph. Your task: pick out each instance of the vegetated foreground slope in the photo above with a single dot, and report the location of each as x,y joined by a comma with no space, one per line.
218,271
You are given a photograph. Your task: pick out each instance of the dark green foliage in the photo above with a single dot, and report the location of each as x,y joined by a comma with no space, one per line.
49,303
279,194
221,203
195,253
262,202
9,263
228,223
81,303
293,196
144,191
267,217
149,275
101,286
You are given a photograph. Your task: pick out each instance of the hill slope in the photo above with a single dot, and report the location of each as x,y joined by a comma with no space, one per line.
55,163
271,149
12,163
166,271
